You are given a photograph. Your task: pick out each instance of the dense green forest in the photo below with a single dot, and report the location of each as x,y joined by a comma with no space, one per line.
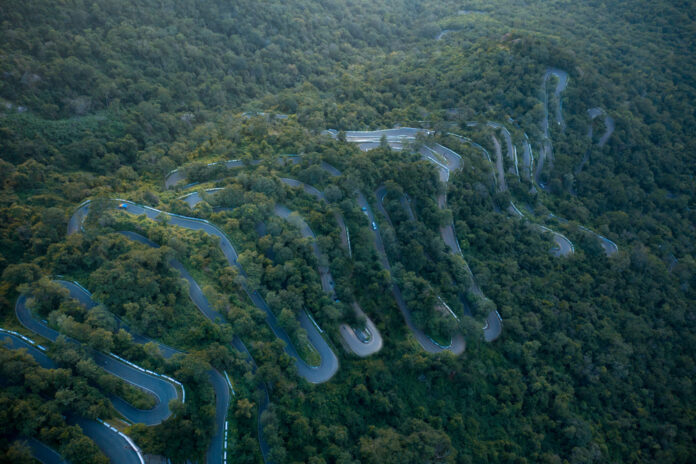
103,100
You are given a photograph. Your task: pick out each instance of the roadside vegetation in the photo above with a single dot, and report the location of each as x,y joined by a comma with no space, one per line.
595,362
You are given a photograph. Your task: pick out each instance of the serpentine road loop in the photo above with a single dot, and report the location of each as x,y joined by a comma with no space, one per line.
313,374
162,389
215,453
609,126
180,175
493,326
609,247
564,246
362,342
458,343
118,447
446,160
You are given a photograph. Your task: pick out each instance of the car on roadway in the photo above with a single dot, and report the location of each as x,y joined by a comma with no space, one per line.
363,335
122,206
374,226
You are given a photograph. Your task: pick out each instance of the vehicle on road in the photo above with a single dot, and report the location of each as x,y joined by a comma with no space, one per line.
363,334
122,206
374,226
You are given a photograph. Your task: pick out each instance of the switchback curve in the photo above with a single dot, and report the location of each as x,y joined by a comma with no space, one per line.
361,343
313,374
118,447
163,389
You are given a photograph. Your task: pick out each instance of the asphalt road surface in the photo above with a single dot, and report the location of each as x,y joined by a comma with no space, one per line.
84,297
493,327
608,246
113,445
14,342
564,247
399,134
396,138
362,342
430,155
499,164
546,151
44,453
609,125
442,34
453,162
527,160
511,151
307,232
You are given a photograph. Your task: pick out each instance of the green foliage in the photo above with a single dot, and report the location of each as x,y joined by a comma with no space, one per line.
597,353
35,402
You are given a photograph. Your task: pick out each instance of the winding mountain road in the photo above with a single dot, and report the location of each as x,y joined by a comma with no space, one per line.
493,327
560,87
494,323
527,158
297,220
396,138
316,193
179,175
609,126
443,33
215,451
458,343
161,389
85,298
608,246
564,246
446,160
15,341
314,374
115,445
499,164
546,151
362,342
118,447
511,149
398,134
